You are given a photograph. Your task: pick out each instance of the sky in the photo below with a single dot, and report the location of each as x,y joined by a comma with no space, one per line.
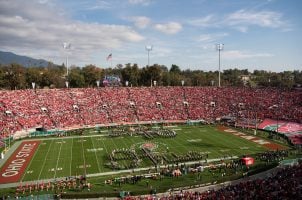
257,34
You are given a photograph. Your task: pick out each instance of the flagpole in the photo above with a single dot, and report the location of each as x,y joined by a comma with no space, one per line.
109,57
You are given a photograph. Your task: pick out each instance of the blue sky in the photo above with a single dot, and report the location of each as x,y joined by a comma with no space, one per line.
257,34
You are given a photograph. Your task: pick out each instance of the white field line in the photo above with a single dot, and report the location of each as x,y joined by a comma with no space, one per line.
126,145
58,160
120,171
97,160
30,163
66,137
236,143
71,156
116,148
189,138
182,146
162,166
84,157
45,160
105,147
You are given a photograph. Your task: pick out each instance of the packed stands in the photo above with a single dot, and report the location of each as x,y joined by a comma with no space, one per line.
283,184
292,130
172,102
148,108
78,107
91,107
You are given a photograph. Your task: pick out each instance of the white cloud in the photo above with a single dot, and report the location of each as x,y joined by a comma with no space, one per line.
207,21
143,22
140,21
169,28
99,5
141,2
162,51
208,38
242,29
43,1
242,20
37,28
235,54
268,19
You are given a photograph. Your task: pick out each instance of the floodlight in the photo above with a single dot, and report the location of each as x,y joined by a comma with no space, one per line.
219,47
149,48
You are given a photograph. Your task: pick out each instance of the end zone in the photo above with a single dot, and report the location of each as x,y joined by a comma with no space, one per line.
15,166
260,141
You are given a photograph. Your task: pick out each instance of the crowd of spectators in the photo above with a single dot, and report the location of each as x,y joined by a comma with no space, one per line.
148,108
61,108
284,184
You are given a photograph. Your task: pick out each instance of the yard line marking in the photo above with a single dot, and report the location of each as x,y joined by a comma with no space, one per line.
84,159
126,144
68,137
104,146
180,145
71,156
231,143
30,162
112,140
207,138
45,160
58,161
127,170
171,126
97,160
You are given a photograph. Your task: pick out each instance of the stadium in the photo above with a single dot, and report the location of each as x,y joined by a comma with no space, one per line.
150,99
112,136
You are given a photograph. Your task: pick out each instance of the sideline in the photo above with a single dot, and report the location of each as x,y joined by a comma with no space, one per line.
205,187
64,137
9,185
209,186
9,153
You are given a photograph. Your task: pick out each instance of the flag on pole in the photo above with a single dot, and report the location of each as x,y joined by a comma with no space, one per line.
109,57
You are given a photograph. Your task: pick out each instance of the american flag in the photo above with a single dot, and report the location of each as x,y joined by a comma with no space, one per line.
109,57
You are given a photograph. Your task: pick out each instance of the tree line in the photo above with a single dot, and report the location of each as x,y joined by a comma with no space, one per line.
15,76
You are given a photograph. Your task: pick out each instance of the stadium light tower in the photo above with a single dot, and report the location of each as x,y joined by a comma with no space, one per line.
66,47
149,48
219,48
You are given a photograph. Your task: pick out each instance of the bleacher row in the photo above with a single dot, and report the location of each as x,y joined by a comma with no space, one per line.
291,130
61,108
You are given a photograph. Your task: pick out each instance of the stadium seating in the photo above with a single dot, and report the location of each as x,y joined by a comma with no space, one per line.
282,184
63,108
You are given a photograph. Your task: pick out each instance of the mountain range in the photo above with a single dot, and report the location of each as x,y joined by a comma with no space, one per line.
9,57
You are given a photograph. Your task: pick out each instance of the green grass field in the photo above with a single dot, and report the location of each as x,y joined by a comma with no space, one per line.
62,157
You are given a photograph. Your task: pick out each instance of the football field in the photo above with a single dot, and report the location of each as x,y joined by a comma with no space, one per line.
79,155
